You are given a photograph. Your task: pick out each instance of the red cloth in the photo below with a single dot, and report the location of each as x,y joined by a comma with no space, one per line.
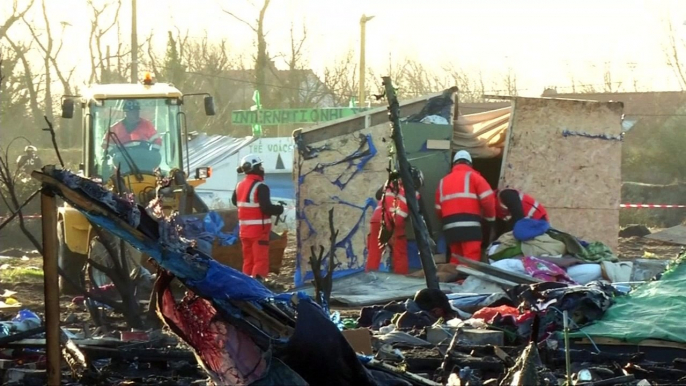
256,255
143,132
488,313
469,249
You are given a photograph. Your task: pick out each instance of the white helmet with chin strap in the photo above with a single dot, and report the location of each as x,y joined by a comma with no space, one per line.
250,162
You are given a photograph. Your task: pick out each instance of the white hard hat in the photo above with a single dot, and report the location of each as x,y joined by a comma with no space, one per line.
462,155
249,162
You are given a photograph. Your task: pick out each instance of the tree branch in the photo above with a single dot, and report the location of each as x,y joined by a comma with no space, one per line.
239,19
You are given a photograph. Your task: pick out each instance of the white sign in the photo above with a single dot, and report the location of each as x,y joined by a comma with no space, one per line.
276,153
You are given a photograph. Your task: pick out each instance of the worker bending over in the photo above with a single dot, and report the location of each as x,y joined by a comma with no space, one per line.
255,209
463,199
515,205
393,208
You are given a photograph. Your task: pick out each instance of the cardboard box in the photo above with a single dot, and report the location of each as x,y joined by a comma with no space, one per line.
360,339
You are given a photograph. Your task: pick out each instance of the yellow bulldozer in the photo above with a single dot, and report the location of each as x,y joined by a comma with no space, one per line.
133,136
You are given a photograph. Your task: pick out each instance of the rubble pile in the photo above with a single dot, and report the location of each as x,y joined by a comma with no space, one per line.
228,328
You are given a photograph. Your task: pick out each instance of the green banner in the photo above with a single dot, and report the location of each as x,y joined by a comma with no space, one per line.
281,117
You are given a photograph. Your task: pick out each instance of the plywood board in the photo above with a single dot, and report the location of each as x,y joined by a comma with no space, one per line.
322,184
576,176
674,235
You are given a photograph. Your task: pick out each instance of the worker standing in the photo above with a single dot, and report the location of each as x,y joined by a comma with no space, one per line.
463,199
374,249
252,197
29,161
394,210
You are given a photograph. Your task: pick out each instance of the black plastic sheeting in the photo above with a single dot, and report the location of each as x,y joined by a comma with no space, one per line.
441,105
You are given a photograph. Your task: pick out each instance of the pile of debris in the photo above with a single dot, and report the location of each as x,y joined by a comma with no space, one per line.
232,329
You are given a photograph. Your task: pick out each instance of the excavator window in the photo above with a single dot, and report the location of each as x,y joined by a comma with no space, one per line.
134,135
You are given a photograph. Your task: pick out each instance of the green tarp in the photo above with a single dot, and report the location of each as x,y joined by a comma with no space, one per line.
655,310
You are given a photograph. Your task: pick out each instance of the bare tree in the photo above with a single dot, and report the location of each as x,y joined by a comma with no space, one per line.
471,87
340,78
98,30
50,55
674,51
262,58
417,80
17,14
508,83
32,83
299,86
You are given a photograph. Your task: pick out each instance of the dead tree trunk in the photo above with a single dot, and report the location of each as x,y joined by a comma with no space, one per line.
420,229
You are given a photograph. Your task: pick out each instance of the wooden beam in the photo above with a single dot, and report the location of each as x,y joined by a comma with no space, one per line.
487,277
51,287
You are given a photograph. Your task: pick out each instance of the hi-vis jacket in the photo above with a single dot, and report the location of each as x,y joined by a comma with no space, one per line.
530,207
463,199
253,222
396,207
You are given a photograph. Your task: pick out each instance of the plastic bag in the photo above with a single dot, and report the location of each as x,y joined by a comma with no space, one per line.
214,223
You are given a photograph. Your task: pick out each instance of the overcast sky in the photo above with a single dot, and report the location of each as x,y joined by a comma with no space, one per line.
543,41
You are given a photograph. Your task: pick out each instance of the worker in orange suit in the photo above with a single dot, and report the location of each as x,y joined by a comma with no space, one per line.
374,249
395,211
132,128
463,199
252,197
515,205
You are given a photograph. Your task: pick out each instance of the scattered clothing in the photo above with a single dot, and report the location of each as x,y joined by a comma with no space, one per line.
598,252
527,229
573,245
546,271
543,245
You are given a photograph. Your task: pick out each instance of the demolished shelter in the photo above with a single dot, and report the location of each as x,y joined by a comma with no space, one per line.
566,153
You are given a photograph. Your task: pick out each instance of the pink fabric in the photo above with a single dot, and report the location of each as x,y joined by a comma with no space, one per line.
546,271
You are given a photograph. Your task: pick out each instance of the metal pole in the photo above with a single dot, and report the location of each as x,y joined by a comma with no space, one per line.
363,66
134,43
51,286
568,365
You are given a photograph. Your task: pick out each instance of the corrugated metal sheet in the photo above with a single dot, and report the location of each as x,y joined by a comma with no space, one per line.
210,150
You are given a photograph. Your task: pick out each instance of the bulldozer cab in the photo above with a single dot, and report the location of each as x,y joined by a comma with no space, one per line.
134,135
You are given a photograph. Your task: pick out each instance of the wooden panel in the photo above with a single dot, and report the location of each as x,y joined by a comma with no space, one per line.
577,178
438,144
318,192
588,224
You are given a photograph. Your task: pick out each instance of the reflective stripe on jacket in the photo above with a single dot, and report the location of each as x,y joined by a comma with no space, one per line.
530,207
253,222
463,199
